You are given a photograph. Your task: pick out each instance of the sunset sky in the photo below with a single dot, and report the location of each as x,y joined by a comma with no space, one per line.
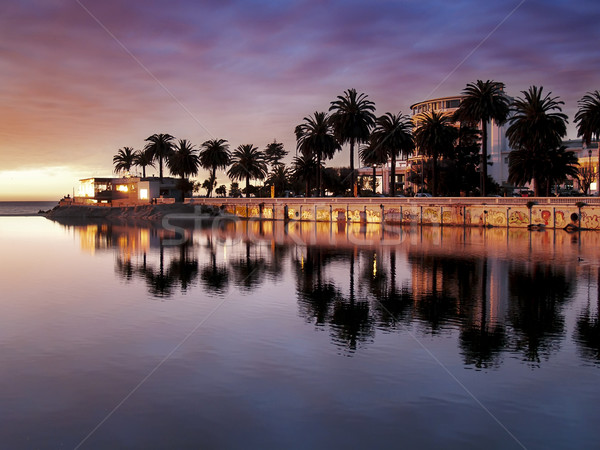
81,79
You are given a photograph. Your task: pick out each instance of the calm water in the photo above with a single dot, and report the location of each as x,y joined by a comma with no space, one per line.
24,208
265,336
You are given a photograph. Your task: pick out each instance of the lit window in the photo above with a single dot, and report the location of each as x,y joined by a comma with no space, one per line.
143,194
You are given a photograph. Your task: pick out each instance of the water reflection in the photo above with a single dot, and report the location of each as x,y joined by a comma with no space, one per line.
497,292
587,333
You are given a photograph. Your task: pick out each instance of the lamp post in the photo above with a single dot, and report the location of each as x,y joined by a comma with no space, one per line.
590,168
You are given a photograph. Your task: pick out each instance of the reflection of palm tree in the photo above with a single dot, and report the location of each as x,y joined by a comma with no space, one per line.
587,332
536,298
351,320
160,283
184,269
393,305
248,271
481,341
436,307
315,295
215,277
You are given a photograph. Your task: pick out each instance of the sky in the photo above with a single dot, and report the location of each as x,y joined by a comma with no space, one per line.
81,79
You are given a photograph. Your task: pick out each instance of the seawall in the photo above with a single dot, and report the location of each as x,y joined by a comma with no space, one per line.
542,212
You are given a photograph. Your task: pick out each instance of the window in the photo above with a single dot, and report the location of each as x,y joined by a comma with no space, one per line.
143,194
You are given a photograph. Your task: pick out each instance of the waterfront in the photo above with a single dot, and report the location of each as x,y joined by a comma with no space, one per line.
320,335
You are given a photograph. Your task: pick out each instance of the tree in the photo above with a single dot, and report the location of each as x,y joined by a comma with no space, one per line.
588,119
214,155
315,138
586,178
352,119
143,158
248,162
184,162
435,136
160,147
274,153
303,169
221,190
484,101
124,159
280,178
393,132
373,155
550,168
536,128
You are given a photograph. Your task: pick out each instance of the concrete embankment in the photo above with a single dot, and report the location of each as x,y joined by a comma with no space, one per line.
141,212
583,212
542,212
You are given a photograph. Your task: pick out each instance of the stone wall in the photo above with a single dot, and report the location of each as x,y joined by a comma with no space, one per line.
491,212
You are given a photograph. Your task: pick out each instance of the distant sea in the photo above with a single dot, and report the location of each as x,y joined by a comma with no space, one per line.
24,208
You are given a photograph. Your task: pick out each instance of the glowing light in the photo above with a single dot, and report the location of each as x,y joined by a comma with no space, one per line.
122,188
143,194
374,266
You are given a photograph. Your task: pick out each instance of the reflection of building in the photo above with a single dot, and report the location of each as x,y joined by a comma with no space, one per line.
126,191
497,148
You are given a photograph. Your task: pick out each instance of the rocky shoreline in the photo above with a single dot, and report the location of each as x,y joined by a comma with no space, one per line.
141,212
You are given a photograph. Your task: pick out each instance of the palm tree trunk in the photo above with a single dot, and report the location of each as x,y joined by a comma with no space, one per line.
247,186
434,176
160,161
484,134
213,176
392,189
319,187
143,171
352,164
374,177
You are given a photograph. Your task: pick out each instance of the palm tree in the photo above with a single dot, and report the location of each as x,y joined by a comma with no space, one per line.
435,136
247,162
588,117
315,138
393,132
537,127
373,155
143,158
160,147
352,119
550,168
184,161
484,101
280,178
274,153
124,159
214,155
303,169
